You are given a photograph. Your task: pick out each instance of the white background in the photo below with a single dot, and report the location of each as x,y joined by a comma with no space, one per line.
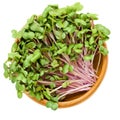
103,104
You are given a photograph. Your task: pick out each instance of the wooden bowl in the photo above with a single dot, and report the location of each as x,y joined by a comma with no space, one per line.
77,98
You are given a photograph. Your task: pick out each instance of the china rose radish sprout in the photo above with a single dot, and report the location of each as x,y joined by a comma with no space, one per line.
54,53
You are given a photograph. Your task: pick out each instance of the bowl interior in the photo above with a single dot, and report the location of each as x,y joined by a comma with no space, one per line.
80,94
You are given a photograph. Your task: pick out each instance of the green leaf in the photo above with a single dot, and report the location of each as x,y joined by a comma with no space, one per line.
20,34
20,87
36,27
77,48
78,51
46,11
66,68
14,47
74,8
31,45
69,49
25,72
61,45
71,15
21,77
103,50
32,94
88,57
82,32
60,68
44,62
92,16
54,6
52,85
65,24
83,16
60,35
12,78
49,104
14,33
77,6
39,35
65,84
52,105
54,99
80,22
26,26
70,29
91,40
36,56
42,72
94,31
31,19
71,68
61,12
27,61
52,78
46,95
86,44
60,51
47,91
14,55
102,29
35,76
100,42
19,94
13,66
63,35
38,96
28,35
17,34
6,70
5,66
59,24
78,45
39,88
54,64
6,74
56,77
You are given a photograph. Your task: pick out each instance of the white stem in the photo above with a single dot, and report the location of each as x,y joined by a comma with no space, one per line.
68,92
56,89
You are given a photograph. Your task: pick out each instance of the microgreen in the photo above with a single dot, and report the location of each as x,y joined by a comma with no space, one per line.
65,84
54,64
88,57
52,105
54,53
